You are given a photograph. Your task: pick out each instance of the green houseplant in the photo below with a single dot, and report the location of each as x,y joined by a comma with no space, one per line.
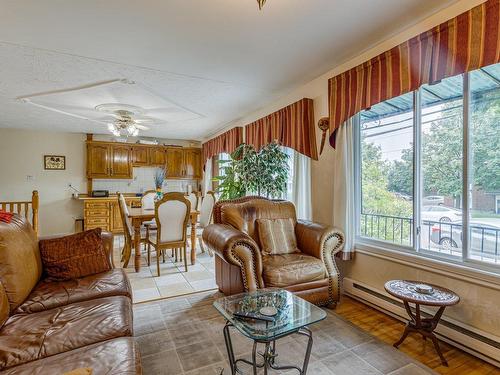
264,172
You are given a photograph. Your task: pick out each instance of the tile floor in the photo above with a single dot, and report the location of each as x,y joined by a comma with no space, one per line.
184,336
147,286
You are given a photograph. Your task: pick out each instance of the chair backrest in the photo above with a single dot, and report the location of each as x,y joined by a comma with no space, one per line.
127,225
207,206
25,208
193,198
148,200
243,213
172,216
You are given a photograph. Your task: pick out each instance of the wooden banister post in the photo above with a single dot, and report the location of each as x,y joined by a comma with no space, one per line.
34,206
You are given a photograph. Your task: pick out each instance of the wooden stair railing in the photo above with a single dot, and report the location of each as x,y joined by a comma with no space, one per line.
23,208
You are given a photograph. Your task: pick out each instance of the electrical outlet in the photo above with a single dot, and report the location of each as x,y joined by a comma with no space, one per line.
30,178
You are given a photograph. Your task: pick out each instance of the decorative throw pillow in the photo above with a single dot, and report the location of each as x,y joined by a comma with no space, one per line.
74,256
277,236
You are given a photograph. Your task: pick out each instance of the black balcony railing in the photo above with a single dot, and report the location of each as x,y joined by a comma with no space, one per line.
435,235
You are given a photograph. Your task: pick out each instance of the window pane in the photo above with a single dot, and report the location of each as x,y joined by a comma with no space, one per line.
387,171
485,165
442,164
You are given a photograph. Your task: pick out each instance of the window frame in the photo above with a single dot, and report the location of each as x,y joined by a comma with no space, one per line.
416,250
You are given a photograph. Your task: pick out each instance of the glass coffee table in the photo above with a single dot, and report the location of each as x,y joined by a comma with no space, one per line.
293,315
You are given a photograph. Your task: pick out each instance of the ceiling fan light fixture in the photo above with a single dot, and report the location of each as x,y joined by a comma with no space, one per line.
261,3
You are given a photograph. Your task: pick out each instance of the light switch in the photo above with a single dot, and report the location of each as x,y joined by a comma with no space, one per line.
30,178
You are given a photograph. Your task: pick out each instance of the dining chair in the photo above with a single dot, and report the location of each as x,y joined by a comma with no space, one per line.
206,210
193,198
128,231
172,216
148,200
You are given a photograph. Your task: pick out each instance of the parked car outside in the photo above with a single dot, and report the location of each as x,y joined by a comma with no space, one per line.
441,213
485,236
433,200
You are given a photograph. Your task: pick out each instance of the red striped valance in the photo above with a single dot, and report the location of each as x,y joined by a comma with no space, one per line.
226,142
464,43
292,126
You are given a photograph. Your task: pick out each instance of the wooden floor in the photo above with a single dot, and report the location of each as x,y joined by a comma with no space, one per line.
389,330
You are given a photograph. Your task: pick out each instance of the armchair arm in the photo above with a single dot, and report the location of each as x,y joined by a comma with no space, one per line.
236,248
323,242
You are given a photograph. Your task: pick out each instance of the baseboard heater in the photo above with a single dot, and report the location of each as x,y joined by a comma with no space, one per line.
469,339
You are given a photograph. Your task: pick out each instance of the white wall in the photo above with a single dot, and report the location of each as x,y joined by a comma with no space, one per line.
21,155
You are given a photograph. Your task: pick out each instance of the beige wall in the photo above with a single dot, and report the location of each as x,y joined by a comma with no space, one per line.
480,306
21,155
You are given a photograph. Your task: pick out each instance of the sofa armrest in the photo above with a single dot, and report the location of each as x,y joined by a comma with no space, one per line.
323,242
236,248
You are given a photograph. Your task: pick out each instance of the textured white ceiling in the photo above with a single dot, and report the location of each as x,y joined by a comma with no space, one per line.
220,58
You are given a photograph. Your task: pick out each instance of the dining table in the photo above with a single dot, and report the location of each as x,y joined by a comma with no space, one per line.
139,215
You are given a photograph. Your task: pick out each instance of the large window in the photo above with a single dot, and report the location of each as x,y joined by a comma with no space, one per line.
429,169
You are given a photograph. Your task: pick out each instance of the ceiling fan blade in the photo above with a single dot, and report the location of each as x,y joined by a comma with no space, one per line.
141,127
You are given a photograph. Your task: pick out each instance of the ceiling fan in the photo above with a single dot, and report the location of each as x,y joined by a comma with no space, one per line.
261,3
124,119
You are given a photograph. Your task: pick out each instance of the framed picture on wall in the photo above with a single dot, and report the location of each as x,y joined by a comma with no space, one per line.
54,162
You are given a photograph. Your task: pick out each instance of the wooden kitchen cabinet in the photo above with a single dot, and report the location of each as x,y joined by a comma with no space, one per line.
104,213
121,166
140,156
192,163
175,162
157,156
98,156
108,160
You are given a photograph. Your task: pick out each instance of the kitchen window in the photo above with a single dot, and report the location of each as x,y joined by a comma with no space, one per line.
428,170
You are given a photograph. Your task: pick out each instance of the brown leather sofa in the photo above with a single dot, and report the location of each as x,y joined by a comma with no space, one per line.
49,327
240,266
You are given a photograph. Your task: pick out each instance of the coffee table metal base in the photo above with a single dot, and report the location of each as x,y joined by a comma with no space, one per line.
268,356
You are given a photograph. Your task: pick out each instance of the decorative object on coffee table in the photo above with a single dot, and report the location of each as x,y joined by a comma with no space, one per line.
424,294
293,315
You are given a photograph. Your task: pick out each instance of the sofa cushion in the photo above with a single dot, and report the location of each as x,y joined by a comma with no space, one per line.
50,294
290,269
277,236
20,263
74,256
28,337
114,357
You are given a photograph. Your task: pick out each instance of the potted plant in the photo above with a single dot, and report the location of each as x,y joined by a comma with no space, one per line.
263,172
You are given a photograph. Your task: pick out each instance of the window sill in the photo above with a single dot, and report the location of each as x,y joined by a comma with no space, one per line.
477,274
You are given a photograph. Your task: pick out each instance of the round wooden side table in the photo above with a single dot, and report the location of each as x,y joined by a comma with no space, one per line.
406,290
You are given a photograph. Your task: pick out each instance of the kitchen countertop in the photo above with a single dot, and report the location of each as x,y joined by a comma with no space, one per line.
84,197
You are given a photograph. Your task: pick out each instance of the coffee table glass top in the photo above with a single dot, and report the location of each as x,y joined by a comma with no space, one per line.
293,313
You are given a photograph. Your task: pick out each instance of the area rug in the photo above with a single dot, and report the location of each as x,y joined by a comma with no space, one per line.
184,336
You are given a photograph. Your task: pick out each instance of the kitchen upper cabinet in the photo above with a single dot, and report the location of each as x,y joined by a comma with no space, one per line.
105,160
121,166
140,156
157,156
175,162
98,160
192,163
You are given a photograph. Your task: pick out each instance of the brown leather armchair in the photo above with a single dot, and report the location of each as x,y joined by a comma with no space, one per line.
240,266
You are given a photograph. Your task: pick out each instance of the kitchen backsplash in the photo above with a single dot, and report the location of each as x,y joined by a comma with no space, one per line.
143,180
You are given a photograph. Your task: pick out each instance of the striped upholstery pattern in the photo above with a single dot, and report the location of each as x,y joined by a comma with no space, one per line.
226,142
292,126
277,236
464,43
